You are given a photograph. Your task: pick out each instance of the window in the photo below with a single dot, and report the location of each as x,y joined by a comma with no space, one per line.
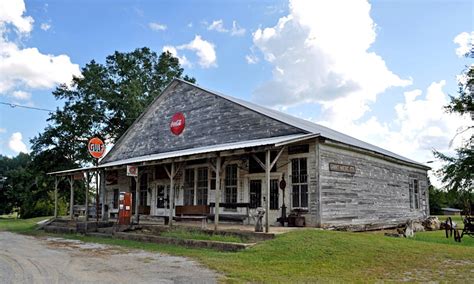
143,189
274,194
298,149
231,184
189,187
201,186
213,180
255,193
161,198
116,198
299,180
413,190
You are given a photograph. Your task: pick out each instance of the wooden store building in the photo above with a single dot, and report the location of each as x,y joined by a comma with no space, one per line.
193,146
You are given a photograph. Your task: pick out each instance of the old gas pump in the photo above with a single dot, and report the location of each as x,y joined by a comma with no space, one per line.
125,208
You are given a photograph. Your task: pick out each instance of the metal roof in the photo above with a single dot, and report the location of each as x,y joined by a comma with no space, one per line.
310,127
276,141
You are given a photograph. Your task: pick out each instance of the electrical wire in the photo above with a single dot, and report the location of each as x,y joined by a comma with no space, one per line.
12,105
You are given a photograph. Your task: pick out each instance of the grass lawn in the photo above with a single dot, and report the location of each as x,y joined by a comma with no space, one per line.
180,233
8,223
314,255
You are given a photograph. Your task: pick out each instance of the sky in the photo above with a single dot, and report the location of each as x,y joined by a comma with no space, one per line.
380,71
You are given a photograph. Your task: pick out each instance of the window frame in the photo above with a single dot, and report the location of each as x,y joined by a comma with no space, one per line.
298,184
232,187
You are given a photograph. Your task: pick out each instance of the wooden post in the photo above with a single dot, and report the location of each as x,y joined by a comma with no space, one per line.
71,198
97,190
137,197
267,177
102,193
56,197
171,203
87,201
218,193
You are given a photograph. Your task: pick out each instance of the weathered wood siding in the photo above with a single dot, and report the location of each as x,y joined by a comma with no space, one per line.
378,192
210,120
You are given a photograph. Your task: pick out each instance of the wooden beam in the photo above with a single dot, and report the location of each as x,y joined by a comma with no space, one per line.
71,198
171,203
277,157
267,176
137,197
262,165
103,194
87,201
218,193
56,197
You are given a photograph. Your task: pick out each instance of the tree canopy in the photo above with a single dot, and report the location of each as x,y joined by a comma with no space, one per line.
458,171
104,101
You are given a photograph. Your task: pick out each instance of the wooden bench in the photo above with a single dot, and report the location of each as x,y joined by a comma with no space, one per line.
231,217
192,213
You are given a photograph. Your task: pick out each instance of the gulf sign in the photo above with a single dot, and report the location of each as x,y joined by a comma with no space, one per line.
96,147
177,123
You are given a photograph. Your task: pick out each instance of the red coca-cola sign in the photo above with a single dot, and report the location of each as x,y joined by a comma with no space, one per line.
177,123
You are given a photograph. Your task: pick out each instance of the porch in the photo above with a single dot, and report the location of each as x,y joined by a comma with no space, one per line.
273,174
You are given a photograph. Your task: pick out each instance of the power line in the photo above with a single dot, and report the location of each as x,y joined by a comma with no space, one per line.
27,107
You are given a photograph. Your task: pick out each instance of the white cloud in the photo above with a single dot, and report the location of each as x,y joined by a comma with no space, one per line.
182,59
157,26
236,29
218,26
319,54
28,67
420,125
11,12
465,41
16,143
2,130
251,59
204,50
45,26
21,95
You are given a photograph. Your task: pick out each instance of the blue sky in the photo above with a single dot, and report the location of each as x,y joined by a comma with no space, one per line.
378,70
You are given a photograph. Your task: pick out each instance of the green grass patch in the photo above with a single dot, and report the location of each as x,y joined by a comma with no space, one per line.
440,238
180,233
20,225
327,256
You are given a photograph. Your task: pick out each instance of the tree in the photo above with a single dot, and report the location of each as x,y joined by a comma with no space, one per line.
105,101
458,171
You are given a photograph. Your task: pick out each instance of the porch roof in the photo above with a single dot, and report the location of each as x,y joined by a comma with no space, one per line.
273,141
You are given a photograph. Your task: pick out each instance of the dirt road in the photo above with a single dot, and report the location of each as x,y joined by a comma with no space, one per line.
25,259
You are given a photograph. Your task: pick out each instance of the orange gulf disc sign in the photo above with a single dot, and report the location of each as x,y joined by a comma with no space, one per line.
96,147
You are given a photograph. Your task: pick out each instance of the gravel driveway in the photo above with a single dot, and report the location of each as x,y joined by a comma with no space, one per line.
25,259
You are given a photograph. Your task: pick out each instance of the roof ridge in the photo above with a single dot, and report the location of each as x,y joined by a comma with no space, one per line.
306,125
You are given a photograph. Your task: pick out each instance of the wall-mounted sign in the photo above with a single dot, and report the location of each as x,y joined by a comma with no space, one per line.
132,171
96,147
177,123
78,176
342,168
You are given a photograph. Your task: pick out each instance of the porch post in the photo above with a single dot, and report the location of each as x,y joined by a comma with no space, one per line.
102,193
55,197
137,197
87,200
218,192
267,177
171,203
71,198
